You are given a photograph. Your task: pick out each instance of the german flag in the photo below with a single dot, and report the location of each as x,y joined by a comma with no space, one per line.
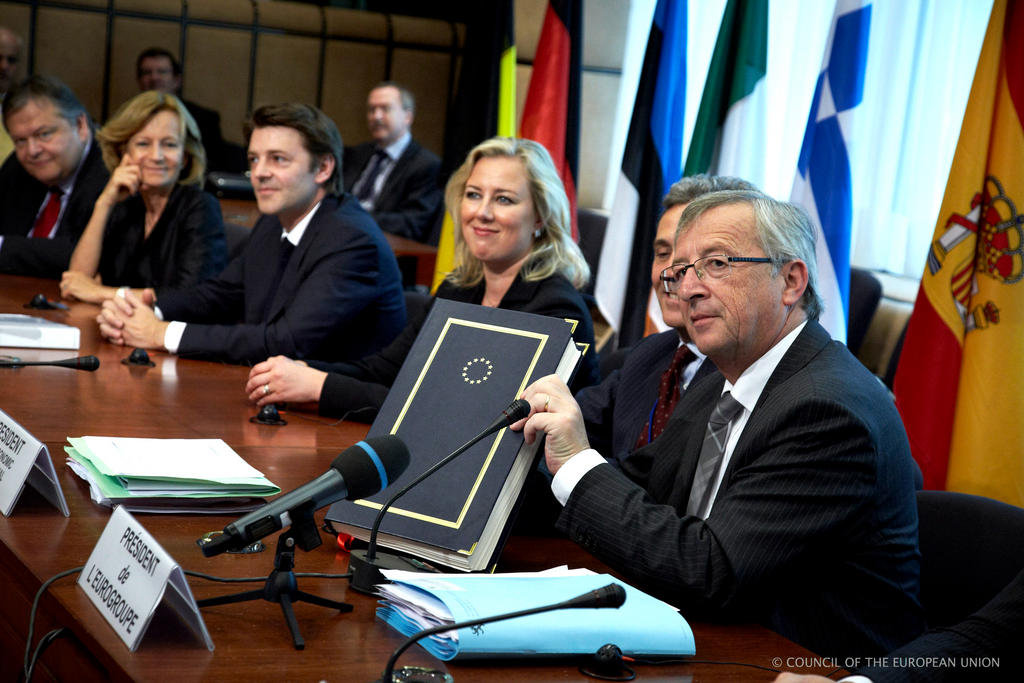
551,115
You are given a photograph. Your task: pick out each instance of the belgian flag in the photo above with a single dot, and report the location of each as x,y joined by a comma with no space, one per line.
485,101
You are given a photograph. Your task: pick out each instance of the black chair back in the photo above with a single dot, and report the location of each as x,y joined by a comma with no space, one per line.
971,548
865,293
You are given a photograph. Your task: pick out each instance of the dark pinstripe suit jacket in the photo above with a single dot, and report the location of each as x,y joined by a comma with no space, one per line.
994,632
814,529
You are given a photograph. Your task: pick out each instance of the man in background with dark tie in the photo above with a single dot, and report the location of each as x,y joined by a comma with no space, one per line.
631,406
782,490
394,178
317,279
158,69
49,184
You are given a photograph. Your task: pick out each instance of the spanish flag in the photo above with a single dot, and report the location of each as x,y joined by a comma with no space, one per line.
485,102
960,381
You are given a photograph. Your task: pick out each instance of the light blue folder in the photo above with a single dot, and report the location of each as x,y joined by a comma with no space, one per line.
643,625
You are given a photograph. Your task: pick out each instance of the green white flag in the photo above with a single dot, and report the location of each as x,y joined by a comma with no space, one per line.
729,136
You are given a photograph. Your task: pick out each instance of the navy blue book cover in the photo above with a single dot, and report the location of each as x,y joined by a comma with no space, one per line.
468,363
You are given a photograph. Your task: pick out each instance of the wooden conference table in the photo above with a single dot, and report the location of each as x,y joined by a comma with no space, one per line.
181,398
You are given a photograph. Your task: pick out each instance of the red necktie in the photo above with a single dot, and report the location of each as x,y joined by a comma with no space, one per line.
48,216
668,396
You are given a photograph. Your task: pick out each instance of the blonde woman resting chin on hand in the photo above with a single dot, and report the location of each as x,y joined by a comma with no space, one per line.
152,225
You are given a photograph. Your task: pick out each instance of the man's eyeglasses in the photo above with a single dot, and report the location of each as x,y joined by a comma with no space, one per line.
715,266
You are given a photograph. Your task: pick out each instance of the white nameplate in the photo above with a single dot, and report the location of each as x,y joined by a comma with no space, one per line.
127,576
24,459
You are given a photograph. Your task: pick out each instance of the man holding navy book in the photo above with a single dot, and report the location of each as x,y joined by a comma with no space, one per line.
317,279
782,490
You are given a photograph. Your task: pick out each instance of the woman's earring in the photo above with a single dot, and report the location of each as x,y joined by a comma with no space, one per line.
536,233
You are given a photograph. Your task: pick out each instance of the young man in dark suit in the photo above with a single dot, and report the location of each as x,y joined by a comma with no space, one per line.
631,406
49,184
317,279
394,178
782,491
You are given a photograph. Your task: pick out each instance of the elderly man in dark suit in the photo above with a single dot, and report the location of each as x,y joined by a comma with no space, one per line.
782,491
49,184
317,279
631,406
394,178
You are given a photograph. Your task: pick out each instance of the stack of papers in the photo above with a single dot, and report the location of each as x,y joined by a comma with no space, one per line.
167,475
643,625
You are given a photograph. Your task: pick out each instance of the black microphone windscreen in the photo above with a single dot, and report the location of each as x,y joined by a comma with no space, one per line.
517,410
612,595
88,363
371,465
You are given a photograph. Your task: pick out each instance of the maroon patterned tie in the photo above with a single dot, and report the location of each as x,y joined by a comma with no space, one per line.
668,396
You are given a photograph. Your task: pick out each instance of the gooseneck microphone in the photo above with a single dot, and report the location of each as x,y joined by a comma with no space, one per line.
364,565
612,595
359,471
89,363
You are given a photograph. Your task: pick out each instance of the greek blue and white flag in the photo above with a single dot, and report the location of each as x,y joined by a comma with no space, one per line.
823,183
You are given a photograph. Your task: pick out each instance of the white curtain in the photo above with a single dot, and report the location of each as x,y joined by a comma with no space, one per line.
921,60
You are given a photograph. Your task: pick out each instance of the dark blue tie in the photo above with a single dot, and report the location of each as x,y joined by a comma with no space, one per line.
364,192
284,255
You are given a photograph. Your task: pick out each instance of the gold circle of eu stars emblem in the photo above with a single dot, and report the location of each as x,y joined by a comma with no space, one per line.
477,371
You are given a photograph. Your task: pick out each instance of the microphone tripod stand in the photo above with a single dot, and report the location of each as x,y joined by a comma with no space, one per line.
281,586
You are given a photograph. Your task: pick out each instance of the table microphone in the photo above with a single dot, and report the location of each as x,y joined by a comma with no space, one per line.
612,595
365,565
360,471
89,363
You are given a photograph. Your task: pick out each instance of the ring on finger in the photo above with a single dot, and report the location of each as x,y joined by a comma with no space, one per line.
266,389
547,402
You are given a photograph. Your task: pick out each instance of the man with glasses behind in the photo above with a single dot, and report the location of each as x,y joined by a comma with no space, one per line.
49,184
782,491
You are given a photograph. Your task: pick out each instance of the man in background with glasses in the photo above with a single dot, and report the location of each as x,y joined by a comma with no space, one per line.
782,492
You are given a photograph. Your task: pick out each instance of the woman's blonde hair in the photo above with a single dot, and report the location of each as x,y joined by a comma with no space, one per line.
553,251
134,114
